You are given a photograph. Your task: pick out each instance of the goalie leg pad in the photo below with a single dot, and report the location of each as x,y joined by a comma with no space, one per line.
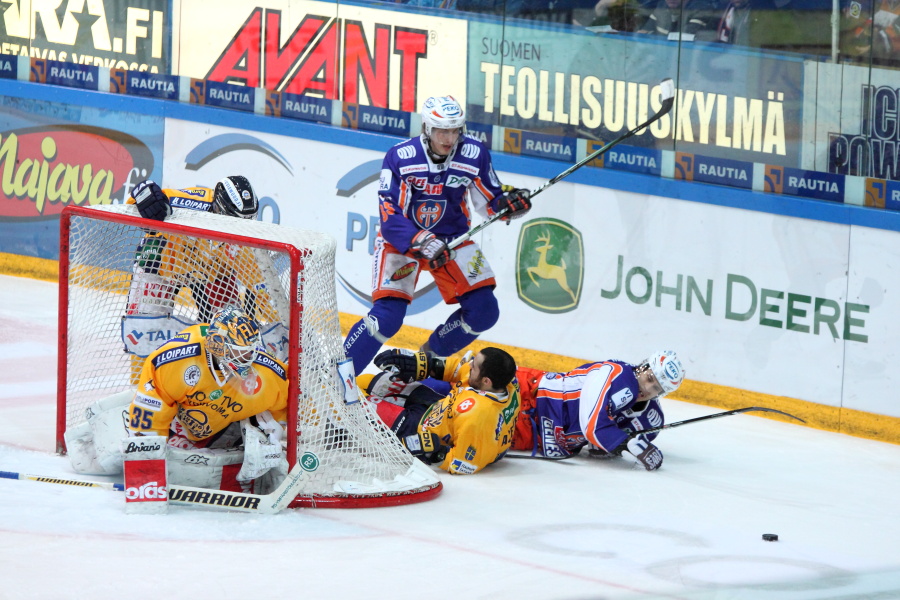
213,468
145,475
95,447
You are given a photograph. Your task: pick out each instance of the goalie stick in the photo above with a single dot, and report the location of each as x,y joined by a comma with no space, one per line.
266,504
667,88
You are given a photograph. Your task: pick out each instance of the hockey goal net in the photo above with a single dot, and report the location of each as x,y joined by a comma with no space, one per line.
125,289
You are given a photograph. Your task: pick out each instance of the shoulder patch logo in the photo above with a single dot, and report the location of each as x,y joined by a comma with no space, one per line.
550,265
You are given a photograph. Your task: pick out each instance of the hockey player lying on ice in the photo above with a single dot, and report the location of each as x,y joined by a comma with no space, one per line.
462,420
210,397
601,404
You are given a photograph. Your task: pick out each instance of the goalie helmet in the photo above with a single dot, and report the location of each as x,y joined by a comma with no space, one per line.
235,197
667,369
233,340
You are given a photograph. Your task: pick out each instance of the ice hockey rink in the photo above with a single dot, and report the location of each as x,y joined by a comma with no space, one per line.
577,529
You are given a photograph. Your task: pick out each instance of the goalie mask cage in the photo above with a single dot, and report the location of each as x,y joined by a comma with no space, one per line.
196,262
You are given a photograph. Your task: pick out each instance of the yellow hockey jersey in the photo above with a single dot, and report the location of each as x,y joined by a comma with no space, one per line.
219,269
177,381
478,426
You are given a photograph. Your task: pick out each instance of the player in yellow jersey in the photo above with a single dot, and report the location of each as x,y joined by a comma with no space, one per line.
166,263
207,377
210,399
462,417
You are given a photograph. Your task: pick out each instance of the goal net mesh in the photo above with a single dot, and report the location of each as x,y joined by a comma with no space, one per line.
126,289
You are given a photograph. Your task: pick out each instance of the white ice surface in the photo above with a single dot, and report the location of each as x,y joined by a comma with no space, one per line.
576,529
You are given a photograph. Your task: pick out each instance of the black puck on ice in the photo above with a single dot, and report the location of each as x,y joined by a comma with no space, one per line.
770,537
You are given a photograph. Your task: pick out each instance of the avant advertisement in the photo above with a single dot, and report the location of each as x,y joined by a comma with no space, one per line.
53,155
118,34
360,55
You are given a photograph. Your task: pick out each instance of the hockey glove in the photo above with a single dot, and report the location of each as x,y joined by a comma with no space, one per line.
411,366
151,201
646,453
517,203
386,384
426,447
427,246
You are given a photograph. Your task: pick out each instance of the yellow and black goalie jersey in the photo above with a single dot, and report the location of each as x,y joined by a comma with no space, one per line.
478,426
177,381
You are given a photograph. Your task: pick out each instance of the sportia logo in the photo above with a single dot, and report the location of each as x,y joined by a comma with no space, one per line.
550,265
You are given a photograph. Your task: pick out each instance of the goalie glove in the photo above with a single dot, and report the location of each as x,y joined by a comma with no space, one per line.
517,202
411,366
426,447
151,201
427,246
647,454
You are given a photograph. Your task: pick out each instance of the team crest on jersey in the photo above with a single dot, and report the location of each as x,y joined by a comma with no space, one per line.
192,375
550,265
195,421
428,213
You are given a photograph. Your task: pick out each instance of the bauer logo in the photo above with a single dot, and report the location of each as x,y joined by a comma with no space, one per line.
550,265
66,164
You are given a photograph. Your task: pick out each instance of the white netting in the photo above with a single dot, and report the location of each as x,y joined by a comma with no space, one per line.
124,282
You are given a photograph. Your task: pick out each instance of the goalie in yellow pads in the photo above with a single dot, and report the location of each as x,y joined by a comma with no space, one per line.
458,413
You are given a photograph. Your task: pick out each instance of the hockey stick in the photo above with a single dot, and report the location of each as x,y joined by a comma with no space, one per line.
715,416
538,456
265,504
667,88
75,482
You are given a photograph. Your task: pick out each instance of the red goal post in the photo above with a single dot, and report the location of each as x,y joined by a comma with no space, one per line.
194,262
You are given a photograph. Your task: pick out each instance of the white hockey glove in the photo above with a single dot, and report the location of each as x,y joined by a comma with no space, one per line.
262,447
647,454
151,201
427,246
386,384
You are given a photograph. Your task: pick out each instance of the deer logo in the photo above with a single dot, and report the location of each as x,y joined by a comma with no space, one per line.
545,270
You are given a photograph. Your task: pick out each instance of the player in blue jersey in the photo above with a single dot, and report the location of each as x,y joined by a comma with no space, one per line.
428,184
602,404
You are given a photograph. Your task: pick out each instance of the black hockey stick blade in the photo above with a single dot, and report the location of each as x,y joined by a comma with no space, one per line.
667,97
538,456
716,416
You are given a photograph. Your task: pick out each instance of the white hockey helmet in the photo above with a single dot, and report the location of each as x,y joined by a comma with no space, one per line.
667,369
235,197
233,339
443,112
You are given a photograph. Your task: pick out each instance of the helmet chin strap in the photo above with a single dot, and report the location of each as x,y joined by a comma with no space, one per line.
434,156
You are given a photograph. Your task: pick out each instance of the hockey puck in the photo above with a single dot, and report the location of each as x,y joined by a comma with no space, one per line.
770,537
